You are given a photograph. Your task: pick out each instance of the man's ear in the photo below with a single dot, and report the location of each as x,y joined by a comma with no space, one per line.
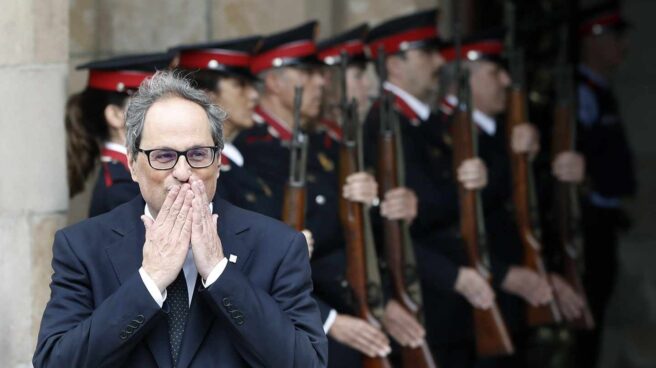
131,165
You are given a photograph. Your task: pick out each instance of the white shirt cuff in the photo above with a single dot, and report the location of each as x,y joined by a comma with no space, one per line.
329,321
152,288
216,272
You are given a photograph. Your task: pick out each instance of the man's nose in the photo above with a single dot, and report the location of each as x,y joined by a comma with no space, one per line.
182,171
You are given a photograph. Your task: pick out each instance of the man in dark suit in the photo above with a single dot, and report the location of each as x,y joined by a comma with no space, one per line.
175,291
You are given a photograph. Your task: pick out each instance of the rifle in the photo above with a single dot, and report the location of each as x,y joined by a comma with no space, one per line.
492,337
362,271
293,208
398,245
524,195
566,194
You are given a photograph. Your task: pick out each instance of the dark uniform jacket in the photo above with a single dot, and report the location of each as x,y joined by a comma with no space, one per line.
242,187
603,142
265,149
114,185
435,231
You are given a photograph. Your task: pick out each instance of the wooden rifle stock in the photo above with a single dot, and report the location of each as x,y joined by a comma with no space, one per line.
293,208
358,254
492,337
526,210
567,206
396,248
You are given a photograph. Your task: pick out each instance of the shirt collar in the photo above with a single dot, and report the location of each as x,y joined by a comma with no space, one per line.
592,75
231,152
116,147
421,109
483,120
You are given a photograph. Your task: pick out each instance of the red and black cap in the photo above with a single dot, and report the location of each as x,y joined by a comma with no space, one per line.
124,73
602,19
417,30
352,42
292,47
230,57
485,45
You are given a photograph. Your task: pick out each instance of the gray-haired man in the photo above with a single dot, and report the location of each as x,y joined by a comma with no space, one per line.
153,283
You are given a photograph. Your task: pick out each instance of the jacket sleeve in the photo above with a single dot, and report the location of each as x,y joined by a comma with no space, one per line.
75,332
276,328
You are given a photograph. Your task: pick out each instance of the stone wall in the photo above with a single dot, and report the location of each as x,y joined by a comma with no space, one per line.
33,191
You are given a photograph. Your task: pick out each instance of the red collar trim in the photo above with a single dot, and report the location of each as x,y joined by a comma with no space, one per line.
334,130
275,58
447,107
395,43
212,58
331,55
117,81
283,132
107,154
482,48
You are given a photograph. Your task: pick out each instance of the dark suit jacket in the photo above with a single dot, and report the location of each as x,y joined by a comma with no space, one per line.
258,313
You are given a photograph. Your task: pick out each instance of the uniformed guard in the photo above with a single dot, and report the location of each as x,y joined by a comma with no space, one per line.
412,62
482,56
397,204
95,127
285,60
610,174
358,82
222,69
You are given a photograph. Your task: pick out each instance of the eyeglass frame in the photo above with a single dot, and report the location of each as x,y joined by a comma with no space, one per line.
215,150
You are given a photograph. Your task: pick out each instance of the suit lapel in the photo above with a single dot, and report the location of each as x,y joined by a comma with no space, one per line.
126,255
231,226
201,317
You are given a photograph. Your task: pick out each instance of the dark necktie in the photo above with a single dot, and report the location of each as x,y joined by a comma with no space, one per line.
178,299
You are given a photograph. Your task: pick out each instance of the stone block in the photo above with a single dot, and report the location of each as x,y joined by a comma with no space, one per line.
83,27
234,18
50,31
17,30
33,136
25,275
128,26
15,276
43,228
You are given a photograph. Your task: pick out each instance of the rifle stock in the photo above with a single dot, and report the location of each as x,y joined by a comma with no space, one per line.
492,337
566,196
359,250
524,197
396,247
293,208
526,210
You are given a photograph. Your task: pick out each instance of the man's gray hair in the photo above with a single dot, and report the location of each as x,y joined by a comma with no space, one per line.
162,85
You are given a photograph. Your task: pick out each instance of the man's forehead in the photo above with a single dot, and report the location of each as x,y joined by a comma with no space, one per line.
176,120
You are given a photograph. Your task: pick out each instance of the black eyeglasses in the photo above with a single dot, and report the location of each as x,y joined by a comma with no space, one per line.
166,159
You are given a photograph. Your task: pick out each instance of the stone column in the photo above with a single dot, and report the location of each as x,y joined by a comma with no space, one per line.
33,190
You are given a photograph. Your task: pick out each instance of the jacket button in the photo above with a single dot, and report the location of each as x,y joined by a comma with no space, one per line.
140,319
123,335
226,302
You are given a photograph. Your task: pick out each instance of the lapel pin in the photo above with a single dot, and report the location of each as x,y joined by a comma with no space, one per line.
232,258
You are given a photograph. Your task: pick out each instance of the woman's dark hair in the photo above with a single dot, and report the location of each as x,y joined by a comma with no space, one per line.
86,131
